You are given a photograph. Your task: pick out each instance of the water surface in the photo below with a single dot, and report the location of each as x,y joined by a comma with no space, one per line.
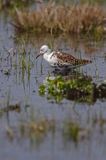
20,86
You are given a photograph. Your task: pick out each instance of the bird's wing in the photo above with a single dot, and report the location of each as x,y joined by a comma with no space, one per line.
66,59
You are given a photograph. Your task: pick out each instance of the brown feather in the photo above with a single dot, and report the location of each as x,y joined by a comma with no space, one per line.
69,59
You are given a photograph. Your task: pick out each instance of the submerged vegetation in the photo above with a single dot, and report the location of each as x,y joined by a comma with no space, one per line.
52,18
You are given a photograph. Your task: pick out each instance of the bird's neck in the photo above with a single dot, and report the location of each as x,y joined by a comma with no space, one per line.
47,55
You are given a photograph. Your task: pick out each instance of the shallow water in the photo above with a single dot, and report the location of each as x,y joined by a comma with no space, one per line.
20,86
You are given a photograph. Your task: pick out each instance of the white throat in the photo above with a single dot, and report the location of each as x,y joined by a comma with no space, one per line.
47,55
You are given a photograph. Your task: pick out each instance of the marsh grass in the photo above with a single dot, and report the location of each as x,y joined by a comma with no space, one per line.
22,62
52,18
14,3
101,2
19,61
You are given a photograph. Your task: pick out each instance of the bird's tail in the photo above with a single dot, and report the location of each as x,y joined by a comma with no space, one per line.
85,61
82,62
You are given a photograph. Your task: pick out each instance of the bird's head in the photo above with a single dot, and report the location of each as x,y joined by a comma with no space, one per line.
44,49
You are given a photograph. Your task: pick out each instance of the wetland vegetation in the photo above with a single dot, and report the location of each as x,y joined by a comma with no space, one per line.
53,18
11,4
46,114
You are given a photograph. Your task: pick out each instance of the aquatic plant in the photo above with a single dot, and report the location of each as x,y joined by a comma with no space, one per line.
80,89
23,62
59,88
52,18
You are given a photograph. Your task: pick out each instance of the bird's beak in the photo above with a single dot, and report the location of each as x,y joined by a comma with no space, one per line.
40,54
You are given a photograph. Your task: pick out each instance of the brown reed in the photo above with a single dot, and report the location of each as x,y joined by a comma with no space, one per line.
52,18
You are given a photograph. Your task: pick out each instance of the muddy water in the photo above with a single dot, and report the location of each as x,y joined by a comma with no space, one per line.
19,85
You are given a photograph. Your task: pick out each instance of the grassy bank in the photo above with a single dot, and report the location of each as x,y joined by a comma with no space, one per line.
52,18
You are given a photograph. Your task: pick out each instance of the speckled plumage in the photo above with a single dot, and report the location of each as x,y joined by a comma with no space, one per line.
60,59
65,59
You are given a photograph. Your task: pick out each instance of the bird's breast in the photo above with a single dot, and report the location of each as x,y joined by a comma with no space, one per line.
52,59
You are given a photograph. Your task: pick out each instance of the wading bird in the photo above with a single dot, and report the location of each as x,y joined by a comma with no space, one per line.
60,59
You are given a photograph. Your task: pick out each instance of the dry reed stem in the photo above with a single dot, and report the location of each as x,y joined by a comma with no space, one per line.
61,18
